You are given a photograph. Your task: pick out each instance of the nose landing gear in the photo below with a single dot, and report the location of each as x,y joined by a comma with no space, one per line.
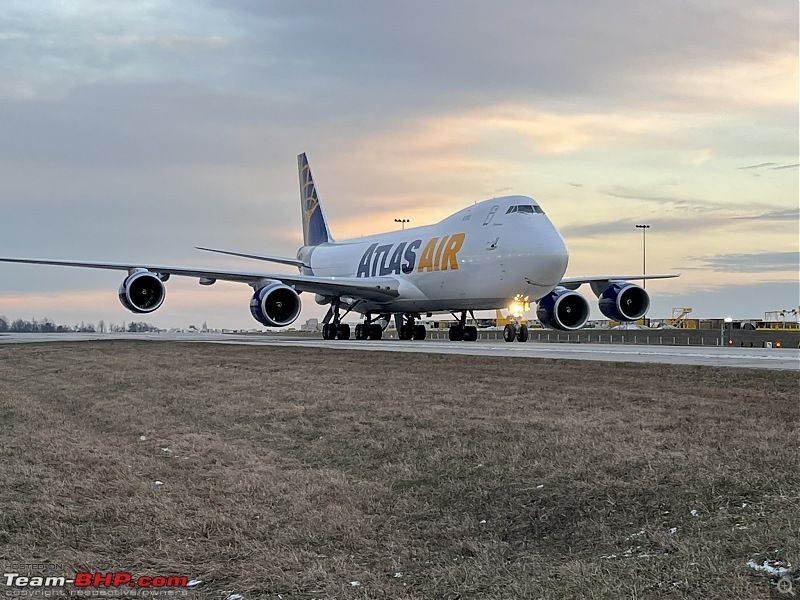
512,332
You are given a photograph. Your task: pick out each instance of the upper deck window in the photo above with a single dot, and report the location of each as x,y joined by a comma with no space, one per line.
525,208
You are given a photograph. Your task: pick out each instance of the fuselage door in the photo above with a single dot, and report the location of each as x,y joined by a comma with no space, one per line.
491,214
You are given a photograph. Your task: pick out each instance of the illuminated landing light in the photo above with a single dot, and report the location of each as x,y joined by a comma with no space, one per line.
519,305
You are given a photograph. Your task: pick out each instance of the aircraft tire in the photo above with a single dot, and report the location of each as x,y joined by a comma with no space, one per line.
509,333
419,332
343,331
456,333
522,334
361,331
328,331
470,333
375,332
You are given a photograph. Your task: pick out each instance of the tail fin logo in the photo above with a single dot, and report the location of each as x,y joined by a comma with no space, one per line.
311,206
315,229
309,189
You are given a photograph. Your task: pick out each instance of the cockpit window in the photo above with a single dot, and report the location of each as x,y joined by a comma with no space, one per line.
525,208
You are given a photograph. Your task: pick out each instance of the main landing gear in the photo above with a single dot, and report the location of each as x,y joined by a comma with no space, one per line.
512,332
368,330
463,332
334,329
407,329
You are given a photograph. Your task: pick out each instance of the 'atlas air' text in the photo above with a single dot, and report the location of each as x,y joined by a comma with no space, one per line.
439,254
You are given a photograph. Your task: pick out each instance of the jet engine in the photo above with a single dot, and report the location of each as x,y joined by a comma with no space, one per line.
275,305
563,309
623,301
142,292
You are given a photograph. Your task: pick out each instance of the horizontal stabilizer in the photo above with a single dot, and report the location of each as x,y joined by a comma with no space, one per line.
276,259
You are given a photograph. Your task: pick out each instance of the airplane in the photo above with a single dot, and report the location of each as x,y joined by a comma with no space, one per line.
482,257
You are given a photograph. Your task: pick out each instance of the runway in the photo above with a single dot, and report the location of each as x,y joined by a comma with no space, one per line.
752,358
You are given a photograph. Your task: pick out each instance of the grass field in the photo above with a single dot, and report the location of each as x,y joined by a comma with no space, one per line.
306,473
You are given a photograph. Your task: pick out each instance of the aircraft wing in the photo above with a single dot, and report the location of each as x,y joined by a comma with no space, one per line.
370,288
573,283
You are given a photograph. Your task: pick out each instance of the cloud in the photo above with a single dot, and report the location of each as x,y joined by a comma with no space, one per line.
627,225
772,166
758,166
674,201
690,205
51,48
717,219
172,41
787,214
759,262
740,301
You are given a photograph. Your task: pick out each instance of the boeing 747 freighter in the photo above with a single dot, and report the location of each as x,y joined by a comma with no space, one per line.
483,257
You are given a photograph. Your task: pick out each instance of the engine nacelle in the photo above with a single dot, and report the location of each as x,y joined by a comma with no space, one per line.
142,292
624,301
275,305
563,309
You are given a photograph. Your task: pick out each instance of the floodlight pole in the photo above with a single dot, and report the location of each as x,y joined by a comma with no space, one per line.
722,330
644,229
402,222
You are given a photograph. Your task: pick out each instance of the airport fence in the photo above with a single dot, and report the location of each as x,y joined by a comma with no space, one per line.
671,337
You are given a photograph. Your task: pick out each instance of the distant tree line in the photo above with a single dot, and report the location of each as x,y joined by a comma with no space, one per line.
47,326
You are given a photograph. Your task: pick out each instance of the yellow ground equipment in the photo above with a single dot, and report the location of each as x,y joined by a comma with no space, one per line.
679,318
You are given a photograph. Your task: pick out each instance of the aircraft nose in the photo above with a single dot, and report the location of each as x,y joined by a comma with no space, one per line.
550,268
551,260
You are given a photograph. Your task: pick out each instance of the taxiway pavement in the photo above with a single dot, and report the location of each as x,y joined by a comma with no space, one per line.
753,358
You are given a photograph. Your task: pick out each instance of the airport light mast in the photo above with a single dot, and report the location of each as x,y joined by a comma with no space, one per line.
403,222
728,321
644,229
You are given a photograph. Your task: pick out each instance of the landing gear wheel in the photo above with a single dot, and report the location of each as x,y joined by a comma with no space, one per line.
522,334
470,333
328,331
375,332
509,332
419,332
406,332
343,331
456,333
361,331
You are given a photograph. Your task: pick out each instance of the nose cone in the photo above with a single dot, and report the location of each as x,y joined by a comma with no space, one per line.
550,257
551,268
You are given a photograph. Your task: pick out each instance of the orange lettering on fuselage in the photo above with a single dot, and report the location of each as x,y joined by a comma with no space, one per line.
437,259
426,260
449,258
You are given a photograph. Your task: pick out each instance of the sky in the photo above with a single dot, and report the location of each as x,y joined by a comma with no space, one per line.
137,130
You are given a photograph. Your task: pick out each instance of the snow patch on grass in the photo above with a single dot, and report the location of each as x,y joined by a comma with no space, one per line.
771,567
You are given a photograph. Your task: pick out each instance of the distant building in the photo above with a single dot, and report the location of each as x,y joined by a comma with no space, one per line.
310,325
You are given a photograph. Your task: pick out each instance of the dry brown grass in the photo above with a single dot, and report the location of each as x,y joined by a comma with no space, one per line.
297,471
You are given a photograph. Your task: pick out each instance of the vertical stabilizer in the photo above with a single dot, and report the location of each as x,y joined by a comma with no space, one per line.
315,228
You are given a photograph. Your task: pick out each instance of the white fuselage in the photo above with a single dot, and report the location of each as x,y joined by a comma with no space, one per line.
481,257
